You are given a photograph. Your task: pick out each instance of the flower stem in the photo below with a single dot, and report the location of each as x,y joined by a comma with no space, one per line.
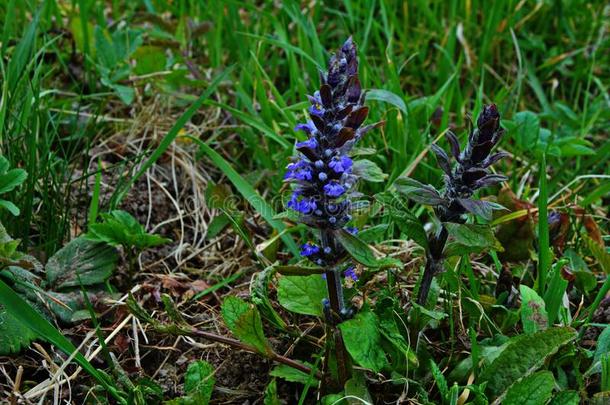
434,263
335,297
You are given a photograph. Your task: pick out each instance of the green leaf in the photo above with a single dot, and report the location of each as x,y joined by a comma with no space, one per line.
523,356
92,262
363,340
12,208
271,397
369,171
535,389
533,312
356,390
387,97
291,374
119,228
302,294
149,59
15,335
199,382
566,398
406,221
11,179
244,321
357,249
484,209
470,238
418,192
526,132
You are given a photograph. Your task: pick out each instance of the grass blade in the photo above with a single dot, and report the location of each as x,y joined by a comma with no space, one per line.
249,193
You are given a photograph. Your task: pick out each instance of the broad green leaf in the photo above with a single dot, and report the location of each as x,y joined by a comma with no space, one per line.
484,209
369,171
363,340
533,311
81,261
199,382
470,238
11,179
356,390
244,321
15,335
535,389
566,398
523,356
120,228
291,374
357,249
232,309
302,294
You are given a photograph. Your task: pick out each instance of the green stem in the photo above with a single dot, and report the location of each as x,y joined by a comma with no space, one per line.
544,253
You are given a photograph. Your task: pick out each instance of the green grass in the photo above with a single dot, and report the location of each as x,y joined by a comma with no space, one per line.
234,75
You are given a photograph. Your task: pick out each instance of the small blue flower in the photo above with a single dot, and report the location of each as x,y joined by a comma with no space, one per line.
341,164
300,170
309,249
350,272
308,127
334,189
311,143
316,105
322,176
304,205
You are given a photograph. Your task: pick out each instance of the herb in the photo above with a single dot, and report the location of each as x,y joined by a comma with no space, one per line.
471,172
322,172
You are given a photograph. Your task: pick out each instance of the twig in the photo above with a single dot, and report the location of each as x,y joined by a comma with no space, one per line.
245,347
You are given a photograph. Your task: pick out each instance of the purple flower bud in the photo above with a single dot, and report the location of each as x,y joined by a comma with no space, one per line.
322,176
319,164
327,250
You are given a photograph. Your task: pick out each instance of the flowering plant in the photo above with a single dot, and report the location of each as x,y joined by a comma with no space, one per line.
471,172
323,177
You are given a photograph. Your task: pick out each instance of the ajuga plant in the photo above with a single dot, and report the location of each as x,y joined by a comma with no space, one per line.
470,173
323,178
